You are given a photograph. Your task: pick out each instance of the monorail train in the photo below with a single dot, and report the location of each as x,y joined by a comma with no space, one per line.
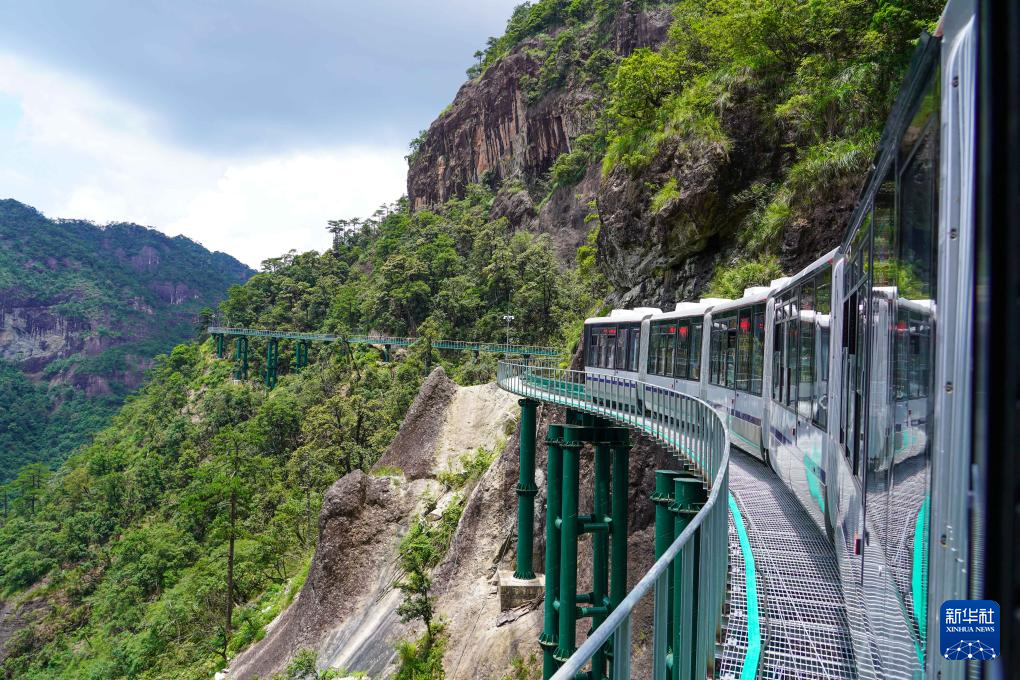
850,378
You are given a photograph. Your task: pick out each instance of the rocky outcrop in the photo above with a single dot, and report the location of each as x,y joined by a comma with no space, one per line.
413,449
347,609
493,133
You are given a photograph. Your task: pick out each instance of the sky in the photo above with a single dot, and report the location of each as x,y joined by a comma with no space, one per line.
242,125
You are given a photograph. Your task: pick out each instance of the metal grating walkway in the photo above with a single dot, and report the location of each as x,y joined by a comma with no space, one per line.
805,633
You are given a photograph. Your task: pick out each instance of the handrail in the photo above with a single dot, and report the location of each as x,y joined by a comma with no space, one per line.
695,432
375,339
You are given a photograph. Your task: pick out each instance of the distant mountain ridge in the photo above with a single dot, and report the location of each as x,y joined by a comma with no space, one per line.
83,310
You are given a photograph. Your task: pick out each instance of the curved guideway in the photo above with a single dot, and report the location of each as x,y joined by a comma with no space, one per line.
693,431
802,614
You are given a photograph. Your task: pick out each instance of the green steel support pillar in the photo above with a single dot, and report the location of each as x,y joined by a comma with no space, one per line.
664,530
219,345
568,542
618,557
386,353
526,491
300,355
688,497
554,481
619,525
600,552
272,352
241,355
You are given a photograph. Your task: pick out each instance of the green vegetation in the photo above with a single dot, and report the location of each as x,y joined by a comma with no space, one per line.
730,280
816,77
124,292
421,550
172,539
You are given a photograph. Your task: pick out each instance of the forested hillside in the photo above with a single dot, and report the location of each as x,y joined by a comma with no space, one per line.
630,164
121,557
83,310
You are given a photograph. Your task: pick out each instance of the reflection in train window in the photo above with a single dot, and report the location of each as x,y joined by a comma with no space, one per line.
694,363
683,344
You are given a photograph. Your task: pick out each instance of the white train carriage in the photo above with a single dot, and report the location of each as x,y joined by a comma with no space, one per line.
613,346
733,371
675,347
796,381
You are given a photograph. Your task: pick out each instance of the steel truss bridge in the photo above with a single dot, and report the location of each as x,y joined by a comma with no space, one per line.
302,341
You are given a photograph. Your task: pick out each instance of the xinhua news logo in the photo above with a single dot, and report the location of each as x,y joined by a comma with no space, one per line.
969,630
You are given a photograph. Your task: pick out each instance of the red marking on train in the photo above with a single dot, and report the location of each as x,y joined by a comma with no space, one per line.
745,325
672,329
683,331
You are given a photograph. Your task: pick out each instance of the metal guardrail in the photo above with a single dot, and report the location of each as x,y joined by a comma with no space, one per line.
487,347
694,431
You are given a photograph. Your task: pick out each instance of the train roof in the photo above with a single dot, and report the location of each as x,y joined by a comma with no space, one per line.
688,309
784,284
624,315
751,296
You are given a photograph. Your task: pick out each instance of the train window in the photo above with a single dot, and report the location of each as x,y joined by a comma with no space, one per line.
593,346
683,344
694,362
731,351
777,360
758,348
660,347
724,351
634,351
745,349
607,353
622,343
806,322
715,355
823,317
792,354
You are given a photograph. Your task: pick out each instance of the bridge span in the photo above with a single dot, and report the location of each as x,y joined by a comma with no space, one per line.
743,586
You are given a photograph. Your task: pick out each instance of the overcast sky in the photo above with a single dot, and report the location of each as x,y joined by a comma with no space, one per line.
242,125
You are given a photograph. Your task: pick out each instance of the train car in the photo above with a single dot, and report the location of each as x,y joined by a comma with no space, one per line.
796,382
897,266
675,342
842,380
613,346
734,365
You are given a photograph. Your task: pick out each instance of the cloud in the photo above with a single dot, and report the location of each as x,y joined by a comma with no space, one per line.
78,151
278,204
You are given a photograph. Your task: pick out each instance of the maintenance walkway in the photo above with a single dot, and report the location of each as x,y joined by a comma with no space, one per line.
796,604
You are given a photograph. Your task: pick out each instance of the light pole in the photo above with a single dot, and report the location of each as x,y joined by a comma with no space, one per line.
509,318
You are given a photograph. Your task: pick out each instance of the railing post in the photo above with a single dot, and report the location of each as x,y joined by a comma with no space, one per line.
554,482
526,491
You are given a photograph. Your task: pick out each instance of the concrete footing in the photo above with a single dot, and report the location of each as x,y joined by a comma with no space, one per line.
515,592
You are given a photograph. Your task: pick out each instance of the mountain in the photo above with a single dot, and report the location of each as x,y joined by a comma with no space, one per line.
83,311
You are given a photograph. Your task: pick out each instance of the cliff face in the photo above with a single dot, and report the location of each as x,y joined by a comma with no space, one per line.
501,127
88,307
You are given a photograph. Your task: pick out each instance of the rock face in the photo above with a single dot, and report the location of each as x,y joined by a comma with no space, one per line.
90,306
347,609
492,133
